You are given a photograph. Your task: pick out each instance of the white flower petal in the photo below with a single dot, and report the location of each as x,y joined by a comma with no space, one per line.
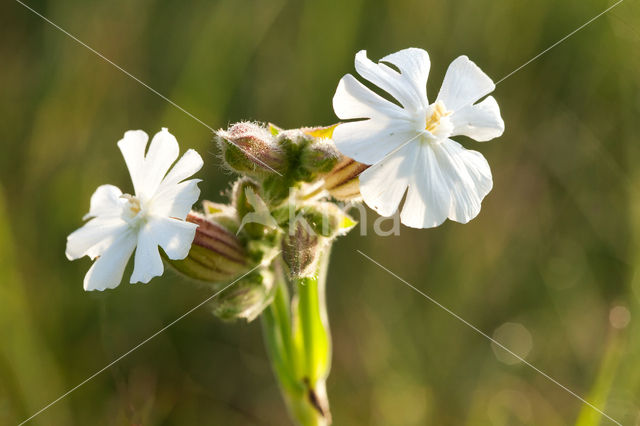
448,181
414,64
428,199
94,237
132,146
481,121
464,83
188,165
369,141
174,236
389,125
383,184
148,263
106,272
175,200
163,151
354,100
409,87
105,201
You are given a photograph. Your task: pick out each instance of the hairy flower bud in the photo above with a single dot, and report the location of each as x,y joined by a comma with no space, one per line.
216,254
301,248
327,219
250,149
293,142
277,189
320,156
308,156
245,299
343,181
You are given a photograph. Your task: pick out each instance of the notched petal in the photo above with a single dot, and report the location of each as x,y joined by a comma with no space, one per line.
94,237
176,200
163,151
450,182
105,201
464,83
354,100
409,86
383,185
133,146
189,164
481,121
107,270
147,263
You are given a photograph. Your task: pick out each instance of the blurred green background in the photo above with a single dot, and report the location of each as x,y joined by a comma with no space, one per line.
550,267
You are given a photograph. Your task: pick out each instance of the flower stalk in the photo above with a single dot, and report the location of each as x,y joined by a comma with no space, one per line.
298,341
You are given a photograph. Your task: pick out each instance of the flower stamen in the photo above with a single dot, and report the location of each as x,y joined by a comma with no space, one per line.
133,207
439,112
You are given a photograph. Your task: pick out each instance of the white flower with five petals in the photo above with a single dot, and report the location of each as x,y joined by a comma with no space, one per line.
409,143
154,216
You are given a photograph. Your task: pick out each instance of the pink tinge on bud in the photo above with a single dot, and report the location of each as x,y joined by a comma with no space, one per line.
216,238
343,181
257,144
247,134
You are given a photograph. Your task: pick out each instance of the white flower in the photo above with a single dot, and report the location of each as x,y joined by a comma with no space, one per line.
153,217
409,145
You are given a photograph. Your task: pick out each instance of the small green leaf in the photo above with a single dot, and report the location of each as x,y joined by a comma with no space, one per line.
322,132
212,208
274,129
347,223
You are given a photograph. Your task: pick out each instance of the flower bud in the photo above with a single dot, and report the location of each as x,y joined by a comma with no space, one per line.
327,219
308,155
320,156
246,298
293,143
301,249
343,181
216,254
250,149
277,189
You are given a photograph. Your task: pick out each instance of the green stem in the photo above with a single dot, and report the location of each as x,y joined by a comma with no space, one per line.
313,325
281,304
273,321
299,345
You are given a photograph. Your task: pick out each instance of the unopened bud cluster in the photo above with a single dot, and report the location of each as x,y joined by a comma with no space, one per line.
282,205
282,159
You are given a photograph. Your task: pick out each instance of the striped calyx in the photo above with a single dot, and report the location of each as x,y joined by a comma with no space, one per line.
343,181
216,255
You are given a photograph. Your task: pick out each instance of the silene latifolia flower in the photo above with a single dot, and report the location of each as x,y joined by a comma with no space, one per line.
408,143
154,216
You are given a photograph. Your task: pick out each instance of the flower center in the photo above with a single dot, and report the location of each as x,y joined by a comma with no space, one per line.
438,115
132,211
